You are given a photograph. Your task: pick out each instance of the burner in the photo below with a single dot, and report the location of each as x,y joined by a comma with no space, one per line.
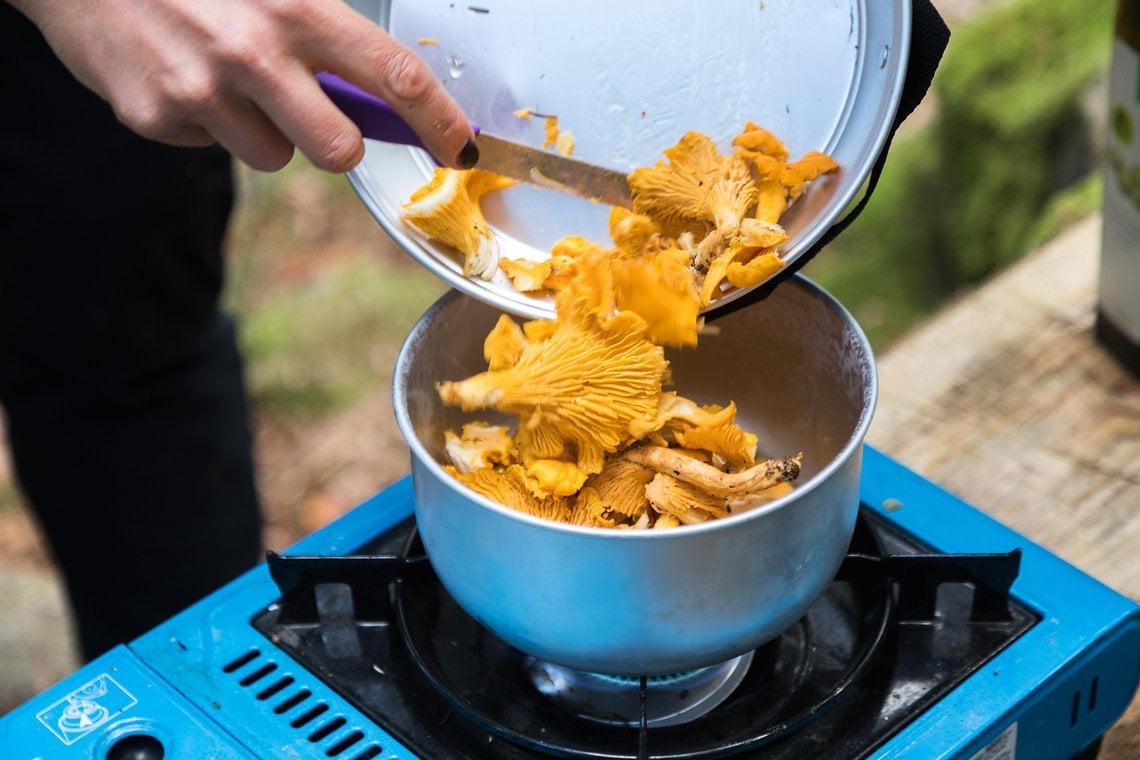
895,630
617,701
792,678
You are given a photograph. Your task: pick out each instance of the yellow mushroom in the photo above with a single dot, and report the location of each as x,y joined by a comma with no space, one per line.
621,486
508,486
591,510
447,209
712,480
504,344
529,276
661,288
479,446
697,191
578,393
754,272
756,239
646,274
554,476
684,502
721,436
779,182
551,126
690,504
755,139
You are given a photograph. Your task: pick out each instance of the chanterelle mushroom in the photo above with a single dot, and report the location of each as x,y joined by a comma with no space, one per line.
689,504
779,183
712,480
698,190
621,486
504,344
479,446
578,393
509,487
597,443
652,276
447,209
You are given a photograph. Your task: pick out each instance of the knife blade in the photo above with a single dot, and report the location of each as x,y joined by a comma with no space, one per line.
378,121
553,170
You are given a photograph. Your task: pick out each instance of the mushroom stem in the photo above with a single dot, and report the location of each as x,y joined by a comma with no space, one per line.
683,467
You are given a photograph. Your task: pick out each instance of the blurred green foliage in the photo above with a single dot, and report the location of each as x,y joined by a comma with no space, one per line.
314,350
322,299
1007,159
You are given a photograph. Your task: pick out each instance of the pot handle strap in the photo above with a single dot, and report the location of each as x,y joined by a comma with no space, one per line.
929,37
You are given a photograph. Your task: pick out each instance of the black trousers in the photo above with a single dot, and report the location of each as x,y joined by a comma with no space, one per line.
119,377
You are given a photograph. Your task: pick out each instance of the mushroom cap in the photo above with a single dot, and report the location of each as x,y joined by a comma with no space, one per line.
479,446
447,209
577,393
508,486
504,344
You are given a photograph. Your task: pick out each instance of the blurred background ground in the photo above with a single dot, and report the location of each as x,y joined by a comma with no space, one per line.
1003,153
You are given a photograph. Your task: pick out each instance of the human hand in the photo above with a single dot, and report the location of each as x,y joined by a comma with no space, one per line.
240,73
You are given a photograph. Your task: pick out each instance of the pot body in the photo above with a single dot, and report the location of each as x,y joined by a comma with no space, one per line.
653,602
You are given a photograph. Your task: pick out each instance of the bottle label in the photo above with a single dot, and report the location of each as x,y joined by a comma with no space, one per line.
1120,249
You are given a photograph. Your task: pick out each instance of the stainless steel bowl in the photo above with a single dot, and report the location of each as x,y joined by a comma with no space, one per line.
654,602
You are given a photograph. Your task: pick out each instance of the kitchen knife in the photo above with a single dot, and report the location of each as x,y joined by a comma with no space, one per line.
378,121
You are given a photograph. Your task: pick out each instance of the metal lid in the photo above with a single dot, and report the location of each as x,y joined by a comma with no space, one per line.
629,79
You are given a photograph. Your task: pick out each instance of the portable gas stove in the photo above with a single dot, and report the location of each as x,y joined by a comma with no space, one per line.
945,635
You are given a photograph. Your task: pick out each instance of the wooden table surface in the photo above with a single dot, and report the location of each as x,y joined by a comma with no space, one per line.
1005,399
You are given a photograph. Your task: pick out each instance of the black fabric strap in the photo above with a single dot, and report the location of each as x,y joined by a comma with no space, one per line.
929,37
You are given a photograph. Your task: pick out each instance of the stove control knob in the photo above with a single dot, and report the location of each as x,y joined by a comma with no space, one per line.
137,747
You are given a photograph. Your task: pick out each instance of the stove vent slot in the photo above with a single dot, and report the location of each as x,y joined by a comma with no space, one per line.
326,730
308,717
293,696
273,688
346,743
258,674
242,661
292,701
1090,707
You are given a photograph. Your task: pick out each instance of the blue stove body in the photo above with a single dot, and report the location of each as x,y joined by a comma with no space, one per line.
207,684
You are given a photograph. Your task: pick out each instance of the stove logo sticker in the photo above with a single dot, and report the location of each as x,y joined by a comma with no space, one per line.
1003,747
85,709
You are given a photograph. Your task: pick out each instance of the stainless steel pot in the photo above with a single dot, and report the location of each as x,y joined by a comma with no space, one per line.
634,602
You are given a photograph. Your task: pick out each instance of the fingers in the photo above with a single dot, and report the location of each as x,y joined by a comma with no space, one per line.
292,105
243,75
364,54
198,115
252,136
294,110
413,91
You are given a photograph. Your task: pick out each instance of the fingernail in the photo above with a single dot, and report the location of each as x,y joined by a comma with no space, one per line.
469,156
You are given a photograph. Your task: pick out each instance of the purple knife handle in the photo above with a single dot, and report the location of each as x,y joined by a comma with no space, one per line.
373,116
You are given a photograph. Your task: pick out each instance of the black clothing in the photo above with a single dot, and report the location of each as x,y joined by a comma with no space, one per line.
119,376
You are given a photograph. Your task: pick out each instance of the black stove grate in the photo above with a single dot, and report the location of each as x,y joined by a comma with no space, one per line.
897,629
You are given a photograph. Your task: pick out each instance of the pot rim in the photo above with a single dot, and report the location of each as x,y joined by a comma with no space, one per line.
854,442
